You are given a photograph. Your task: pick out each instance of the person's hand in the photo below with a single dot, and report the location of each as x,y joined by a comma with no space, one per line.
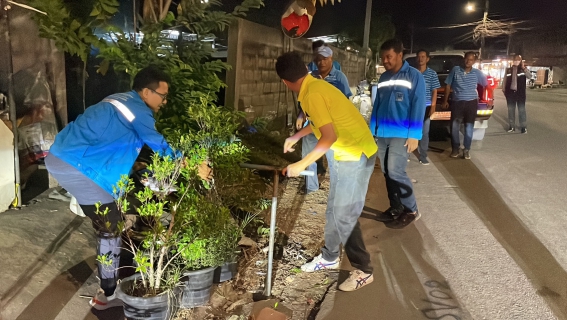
289,143
204,171
411,144
432,110
293,170
299,123
445,105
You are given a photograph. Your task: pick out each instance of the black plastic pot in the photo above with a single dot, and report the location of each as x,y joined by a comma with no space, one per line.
225,272
146,308
197,288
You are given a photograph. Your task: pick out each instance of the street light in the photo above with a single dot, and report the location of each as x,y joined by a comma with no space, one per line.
470,7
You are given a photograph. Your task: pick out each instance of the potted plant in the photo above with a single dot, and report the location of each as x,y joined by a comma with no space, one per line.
172,224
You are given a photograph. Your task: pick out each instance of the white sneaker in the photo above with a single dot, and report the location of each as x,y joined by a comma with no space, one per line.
356,280
102,302
318,263
76,208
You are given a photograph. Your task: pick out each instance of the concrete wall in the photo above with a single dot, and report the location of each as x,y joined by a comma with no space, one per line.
254,86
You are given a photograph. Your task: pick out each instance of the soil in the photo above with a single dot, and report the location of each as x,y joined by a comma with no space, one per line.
138,290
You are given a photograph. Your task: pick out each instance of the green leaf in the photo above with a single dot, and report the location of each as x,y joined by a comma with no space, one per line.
103,68
74,25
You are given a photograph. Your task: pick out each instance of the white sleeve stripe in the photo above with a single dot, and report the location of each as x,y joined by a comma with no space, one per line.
122,108
390,83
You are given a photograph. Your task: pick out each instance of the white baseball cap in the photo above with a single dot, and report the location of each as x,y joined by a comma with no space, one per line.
325,51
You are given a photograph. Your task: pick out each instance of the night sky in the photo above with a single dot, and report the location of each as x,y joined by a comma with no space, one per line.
422,13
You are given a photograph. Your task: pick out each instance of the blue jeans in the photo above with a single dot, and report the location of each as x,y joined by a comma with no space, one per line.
512,100
394,160
308,143
456,139
424,142
347,195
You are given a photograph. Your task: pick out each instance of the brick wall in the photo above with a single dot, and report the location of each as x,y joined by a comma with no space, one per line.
254,86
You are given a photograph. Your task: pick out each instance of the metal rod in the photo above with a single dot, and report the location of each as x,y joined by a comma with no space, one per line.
272,235
11,104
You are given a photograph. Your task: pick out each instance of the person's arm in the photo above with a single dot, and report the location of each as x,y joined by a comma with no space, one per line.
436,86
328,137
433,102
417,113
528,73
448,83
374,116
504,82
144,125
343,85
291,141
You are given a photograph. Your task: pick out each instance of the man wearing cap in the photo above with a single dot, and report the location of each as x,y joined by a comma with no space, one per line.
312,66
327,71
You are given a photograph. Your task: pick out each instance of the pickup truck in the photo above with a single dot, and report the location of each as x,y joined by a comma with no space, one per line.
442,62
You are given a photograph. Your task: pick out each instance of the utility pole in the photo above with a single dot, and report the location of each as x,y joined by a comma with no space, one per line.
366,39
484,19
411,43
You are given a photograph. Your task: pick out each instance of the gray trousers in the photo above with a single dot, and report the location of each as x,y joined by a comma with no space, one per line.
347,195
88,194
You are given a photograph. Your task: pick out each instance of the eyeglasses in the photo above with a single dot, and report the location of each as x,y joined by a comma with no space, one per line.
163,96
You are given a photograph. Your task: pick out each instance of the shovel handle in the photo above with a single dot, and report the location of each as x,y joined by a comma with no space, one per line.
307,173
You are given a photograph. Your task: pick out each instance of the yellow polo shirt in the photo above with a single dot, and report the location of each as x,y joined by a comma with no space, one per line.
324,104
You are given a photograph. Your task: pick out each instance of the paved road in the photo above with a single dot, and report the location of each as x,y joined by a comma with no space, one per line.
491,243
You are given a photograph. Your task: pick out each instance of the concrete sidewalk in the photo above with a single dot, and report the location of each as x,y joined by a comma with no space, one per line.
448,265
47,258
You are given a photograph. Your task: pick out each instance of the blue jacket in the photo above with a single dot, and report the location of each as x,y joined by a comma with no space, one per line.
399,107
104,142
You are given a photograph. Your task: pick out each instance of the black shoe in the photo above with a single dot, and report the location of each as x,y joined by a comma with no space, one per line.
466,154
389,215
524,130
455,153
511,129
404,220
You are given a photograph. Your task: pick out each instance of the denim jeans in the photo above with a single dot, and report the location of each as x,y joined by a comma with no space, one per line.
394,160
513,99
308,143
424,142
347,195
456,139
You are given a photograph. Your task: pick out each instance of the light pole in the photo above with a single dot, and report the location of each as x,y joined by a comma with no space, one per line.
470,7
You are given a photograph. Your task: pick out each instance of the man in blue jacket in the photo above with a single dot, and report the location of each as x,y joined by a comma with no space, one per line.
397,124
91,154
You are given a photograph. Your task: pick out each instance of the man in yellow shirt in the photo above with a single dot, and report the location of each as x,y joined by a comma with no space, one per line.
339,126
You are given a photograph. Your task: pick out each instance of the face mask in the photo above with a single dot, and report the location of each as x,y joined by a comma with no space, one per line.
516,63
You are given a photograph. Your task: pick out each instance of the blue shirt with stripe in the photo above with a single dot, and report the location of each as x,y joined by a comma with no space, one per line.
431,83
464,84
338,79
399,107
